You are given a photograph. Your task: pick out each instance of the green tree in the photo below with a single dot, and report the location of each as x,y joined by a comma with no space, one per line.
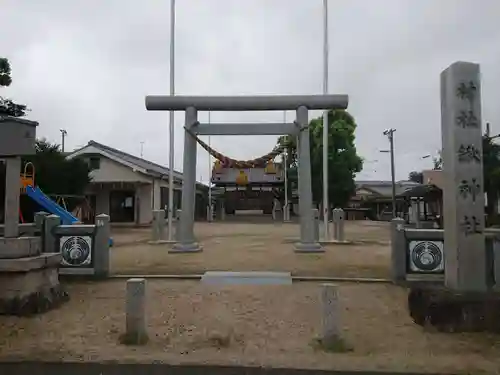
54,175
491,172
7,106
343,160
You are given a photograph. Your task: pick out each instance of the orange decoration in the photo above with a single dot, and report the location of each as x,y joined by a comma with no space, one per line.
242,178
270,168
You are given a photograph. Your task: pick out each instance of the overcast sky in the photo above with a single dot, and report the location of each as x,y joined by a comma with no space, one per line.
86,66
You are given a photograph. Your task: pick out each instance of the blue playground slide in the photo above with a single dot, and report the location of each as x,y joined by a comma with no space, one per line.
48,204
52,207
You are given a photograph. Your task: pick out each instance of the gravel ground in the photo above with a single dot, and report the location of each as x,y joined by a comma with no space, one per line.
245,325
256,247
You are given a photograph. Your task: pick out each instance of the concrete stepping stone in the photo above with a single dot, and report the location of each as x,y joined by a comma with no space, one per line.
246,278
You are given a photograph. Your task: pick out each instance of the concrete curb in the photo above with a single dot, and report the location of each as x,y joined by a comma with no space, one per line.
113,368
294,278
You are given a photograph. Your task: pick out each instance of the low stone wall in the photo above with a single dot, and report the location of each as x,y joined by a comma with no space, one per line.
405,239
452,311
30,287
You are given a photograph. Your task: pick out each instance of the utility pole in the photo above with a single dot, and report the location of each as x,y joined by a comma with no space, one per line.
390,135
325,121
64,133
286,211
171,166
488,132
210,211
142,149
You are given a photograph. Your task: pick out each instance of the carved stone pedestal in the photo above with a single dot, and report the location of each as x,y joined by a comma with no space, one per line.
30,285
449,311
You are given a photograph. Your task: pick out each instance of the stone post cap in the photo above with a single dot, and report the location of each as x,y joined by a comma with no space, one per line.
136,280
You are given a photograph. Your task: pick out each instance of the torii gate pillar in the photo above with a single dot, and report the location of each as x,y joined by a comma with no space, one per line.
185,237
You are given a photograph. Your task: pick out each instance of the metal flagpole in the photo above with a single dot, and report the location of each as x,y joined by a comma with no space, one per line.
171,123
286,211
210,213
325,121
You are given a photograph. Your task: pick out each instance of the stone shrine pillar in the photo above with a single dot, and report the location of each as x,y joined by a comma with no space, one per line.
11,208
463,195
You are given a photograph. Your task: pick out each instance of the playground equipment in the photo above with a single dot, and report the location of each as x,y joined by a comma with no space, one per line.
34,192
27,179
29,188
50,206
300,128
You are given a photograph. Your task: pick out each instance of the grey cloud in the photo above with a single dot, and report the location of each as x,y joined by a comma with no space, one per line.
87,66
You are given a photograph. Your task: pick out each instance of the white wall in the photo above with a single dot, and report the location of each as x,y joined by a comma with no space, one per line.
111,171
156,196
144,210
102,202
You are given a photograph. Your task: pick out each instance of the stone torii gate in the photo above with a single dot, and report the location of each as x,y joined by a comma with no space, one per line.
300,128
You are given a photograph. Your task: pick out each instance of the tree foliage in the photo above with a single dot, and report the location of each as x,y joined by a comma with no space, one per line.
491,171
417,177
54,174
5,72
343,160
7,106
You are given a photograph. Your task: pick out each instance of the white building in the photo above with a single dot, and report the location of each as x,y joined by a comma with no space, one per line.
129,188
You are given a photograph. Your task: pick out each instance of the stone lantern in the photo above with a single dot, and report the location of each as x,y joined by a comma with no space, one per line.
29,277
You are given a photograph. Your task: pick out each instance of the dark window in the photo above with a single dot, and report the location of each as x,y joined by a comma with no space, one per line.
94,163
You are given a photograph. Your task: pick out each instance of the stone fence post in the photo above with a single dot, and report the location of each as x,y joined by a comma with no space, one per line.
341,225
315,216
398,250
330,327
158,228
177,225
101,246
338,218
50,240
135,312
40,220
